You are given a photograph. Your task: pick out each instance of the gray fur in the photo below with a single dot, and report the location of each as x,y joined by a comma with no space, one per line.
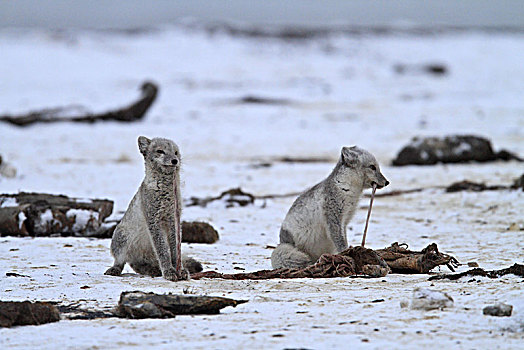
146,237
316,222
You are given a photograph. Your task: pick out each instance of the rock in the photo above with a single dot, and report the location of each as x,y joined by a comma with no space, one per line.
150,305
41,214
499,310
449,149
24,313
428,299
198,232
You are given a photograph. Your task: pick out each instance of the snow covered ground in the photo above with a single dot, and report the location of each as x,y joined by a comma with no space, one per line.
344,91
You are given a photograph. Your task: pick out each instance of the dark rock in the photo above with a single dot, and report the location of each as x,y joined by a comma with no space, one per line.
24,313
450,149
41,214
198,232
150,305
192,231
498,310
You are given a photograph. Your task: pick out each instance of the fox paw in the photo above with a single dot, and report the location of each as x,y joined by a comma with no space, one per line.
113,271
171,275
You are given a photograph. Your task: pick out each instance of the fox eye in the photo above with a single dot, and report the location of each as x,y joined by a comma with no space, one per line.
372,167
159,151
176,153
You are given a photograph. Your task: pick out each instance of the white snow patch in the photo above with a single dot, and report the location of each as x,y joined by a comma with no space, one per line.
21,219
84,200
46,216
8,202
463,147
82,217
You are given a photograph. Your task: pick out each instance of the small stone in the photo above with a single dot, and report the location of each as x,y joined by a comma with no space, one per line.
499,310
198,232
429,299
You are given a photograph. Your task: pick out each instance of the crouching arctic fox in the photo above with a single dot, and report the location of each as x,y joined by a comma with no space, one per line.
316,223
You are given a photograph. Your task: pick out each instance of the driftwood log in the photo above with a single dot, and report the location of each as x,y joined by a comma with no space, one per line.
40,214
354,261
450,149
150,305
234,197
25,313
135,305
44,215
402,260
133,112
515,269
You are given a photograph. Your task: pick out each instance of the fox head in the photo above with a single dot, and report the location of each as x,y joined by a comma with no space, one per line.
161,154
360,161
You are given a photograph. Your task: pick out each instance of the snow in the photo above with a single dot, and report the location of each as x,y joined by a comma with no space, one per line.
345,92
21,219
463,147
8,202
82,217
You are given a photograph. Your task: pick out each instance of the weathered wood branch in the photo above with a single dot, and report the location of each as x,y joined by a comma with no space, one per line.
41,214
515,269
354,261
133,112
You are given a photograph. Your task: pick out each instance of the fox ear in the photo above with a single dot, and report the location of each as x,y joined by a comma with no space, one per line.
143,144
350,156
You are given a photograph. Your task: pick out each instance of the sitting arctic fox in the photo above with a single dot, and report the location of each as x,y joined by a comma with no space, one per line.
316,223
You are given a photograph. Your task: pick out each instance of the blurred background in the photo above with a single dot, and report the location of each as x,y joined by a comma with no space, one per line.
246,82
135,14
